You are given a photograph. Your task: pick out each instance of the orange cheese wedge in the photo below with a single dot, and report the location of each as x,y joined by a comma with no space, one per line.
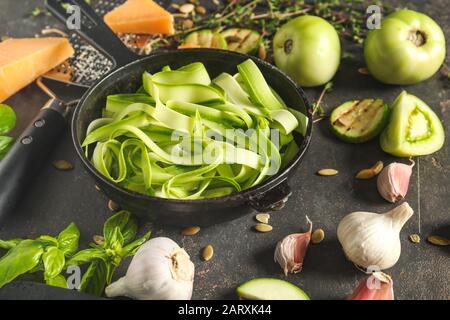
23,60
140,17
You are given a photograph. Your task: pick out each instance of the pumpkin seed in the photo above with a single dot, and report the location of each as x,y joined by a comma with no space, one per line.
365,174
438,241
98,239
63,165
97,188
113,206
371,172
187,8
187,24
327,172
317,236
364,71
414,238
208,252
377,167
262,227
190,231
200,10
262,217
262,53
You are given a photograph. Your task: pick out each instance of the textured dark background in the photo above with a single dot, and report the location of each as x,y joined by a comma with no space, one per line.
423,272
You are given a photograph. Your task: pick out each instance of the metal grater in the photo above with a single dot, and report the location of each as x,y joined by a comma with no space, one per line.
88,63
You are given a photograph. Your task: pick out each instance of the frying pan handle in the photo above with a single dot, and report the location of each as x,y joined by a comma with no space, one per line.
22,162
273,199
92,29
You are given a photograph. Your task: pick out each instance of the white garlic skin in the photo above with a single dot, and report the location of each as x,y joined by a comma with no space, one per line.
393,181
371,239
160,270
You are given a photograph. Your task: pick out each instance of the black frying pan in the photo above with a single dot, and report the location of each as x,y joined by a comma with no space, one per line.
126,77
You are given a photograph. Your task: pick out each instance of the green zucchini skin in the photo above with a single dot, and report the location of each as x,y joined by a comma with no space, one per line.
392,141
371,134
270,289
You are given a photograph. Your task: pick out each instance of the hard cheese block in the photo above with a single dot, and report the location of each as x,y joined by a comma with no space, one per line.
140,17
23,60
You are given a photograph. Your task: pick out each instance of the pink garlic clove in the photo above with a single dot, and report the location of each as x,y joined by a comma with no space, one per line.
377,286
290,252
393,181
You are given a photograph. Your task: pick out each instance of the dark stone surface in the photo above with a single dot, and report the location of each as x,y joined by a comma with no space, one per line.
423,272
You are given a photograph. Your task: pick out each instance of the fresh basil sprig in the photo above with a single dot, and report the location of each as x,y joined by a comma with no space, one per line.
51,255
45,253
119,233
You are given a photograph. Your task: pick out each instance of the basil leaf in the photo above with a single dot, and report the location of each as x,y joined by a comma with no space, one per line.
58,281
85,256
5,144
9,244
54,262
116,241
94,279
7,119
19,260
47,241
126,223
68,240
131,248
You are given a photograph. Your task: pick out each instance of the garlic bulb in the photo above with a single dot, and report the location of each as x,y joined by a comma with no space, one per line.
371,239
290,252
393,181
377,286
160,270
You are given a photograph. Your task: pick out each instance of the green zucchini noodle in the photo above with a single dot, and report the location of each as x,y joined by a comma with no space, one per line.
185,136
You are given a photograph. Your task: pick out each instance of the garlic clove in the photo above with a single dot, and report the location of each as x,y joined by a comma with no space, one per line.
377,286
290,252
393,181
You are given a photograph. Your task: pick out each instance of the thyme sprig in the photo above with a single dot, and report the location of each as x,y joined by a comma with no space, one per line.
318,105
266,16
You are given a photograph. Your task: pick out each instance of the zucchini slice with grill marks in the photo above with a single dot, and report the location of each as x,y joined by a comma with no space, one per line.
204,39
242,40
359,120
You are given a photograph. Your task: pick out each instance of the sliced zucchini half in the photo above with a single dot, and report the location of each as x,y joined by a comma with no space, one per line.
359,120
242,40
205,39
270,289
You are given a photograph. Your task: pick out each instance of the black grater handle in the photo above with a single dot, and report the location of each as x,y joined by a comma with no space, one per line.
82,19
23,161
